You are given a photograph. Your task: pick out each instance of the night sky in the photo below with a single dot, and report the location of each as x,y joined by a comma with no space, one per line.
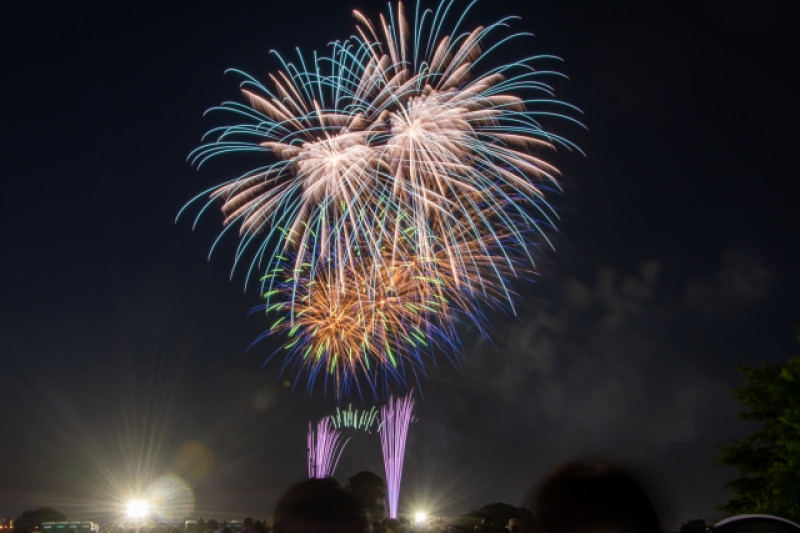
124,351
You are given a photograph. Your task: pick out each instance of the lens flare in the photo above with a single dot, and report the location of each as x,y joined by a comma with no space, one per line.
171,499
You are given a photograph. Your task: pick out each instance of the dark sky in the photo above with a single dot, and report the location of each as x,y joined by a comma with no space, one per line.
124,352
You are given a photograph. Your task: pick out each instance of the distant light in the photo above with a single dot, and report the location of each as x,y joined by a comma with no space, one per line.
420,518
137,509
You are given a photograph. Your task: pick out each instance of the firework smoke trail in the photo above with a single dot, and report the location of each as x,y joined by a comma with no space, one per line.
325,447
395,419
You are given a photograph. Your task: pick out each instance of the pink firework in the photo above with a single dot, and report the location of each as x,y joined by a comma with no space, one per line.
325,447
395,419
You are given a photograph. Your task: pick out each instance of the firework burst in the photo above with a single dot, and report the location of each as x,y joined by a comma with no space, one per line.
376,322
461,144
398,122
379,324
403,186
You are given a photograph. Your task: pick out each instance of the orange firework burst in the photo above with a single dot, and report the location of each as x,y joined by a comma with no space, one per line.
379,316
381,319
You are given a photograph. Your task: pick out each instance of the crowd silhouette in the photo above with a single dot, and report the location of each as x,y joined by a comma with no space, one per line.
575,497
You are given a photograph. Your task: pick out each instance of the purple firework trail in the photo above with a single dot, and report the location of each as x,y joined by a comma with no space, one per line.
325,447
395,419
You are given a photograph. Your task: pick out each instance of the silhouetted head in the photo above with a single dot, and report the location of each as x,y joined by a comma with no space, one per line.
319,506
248,522
585,497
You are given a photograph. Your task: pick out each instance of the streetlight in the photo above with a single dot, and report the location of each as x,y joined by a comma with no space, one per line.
137,510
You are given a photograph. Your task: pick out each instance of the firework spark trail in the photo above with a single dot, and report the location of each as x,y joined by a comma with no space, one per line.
362,419
325,447
395,419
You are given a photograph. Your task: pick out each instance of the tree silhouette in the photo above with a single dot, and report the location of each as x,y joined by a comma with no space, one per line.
768,461
371,490
30,520
498,513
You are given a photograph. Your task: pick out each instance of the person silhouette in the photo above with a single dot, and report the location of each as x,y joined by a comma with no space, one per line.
587,497
319,506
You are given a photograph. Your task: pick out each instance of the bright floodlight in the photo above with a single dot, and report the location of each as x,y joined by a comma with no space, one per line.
420,518
137,509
